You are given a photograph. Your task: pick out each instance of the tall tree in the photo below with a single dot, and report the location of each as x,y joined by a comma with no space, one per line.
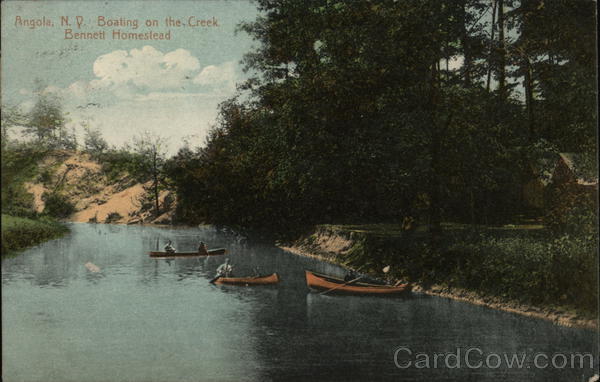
356,114
151,151
556,53
501,69
46,119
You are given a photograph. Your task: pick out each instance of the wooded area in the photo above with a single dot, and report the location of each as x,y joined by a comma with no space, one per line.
378,111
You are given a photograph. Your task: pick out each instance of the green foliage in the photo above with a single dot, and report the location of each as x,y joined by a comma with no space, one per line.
11,116
573,210
93,142
144,160
558,270
356,115
57,205
150,149
118,162
46,118
46,121
536,267
45,176
557,45
18,233
19,165
113,217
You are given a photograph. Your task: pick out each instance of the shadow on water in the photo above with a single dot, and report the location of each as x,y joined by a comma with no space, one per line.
161,319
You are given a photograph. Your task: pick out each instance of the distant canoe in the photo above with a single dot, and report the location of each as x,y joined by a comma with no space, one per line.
211,252
322,282
256,280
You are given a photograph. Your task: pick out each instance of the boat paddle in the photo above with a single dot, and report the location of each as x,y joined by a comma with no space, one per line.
341,285
385,270
223,273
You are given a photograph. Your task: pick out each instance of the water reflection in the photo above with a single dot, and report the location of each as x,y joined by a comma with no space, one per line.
143,319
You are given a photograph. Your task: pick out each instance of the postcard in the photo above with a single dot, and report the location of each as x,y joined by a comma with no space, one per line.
278,190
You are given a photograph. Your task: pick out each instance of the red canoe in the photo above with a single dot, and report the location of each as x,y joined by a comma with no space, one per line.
211,252
322,282
256,280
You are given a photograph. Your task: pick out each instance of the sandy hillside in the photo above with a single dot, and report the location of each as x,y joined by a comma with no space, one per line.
95,198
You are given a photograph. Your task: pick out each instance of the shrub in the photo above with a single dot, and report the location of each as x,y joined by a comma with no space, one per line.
113,217
57,205
45,176
19,233
536,267
572,210
560,270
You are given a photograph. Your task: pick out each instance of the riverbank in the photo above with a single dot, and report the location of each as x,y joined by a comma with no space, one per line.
19,233
509,269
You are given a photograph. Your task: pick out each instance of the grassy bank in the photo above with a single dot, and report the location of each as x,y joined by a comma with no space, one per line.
527,265
19,233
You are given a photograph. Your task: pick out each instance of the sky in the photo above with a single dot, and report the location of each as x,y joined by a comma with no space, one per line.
170,88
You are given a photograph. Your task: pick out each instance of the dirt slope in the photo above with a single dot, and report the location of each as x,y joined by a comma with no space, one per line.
95,197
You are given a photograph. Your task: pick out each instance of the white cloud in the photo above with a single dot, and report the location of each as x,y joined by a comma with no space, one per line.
170,94
78,89
145,68
147,72
215,75
162,96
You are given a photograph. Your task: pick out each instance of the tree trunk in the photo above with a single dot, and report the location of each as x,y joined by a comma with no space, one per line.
501,52
491,55
155,180
529,97
466,47
434,190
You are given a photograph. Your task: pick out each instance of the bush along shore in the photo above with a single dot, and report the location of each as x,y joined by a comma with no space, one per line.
19,233
518,270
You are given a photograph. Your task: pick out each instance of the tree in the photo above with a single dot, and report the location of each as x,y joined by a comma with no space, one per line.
353,116
93,141
46,119
12,116
556,55
150,150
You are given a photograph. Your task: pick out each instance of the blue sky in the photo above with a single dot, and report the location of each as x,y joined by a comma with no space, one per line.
171,88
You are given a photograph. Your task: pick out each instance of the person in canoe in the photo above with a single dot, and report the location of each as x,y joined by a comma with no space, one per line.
202,249
225,269
350,276
169,247
353,276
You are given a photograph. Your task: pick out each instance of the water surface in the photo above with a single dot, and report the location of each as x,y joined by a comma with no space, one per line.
144,319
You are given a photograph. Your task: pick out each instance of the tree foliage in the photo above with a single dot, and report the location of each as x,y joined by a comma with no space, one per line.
93,141
46,121
378,110
150,153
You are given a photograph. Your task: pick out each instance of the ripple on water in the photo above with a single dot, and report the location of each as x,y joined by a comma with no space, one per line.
143,319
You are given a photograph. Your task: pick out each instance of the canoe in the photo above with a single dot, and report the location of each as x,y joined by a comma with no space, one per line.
211,252
320,282
256,280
